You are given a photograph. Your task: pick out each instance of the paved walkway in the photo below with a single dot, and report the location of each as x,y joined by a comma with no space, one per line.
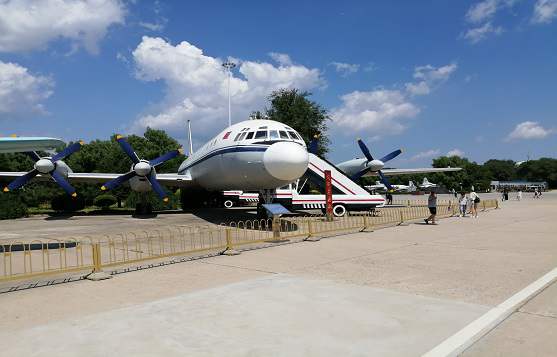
397,291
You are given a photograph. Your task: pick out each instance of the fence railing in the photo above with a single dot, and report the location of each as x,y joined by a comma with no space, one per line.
37,258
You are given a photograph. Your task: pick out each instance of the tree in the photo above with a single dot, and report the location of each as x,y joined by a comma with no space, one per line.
293,108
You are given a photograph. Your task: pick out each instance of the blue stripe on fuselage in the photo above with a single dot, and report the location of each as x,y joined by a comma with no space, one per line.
225,150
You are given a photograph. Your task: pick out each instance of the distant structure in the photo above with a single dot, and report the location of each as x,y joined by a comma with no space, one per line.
518,185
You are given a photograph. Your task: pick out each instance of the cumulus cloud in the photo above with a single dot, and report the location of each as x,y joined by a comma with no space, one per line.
281,58
529,130
196,85
22,93
425,154
477,34
31,24
428,77
388,111
382,110
455,152
345,69
544,11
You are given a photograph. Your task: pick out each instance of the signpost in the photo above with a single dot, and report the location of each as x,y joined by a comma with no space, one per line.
328,195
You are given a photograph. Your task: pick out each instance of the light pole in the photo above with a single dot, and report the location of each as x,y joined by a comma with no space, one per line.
228,66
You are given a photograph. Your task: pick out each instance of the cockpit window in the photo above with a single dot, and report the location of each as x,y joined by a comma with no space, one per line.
261,134
293,135
250,135
283,134
273,134
242,136
237,136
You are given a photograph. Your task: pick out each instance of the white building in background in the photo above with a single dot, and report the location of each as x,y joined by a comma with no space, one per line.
518,185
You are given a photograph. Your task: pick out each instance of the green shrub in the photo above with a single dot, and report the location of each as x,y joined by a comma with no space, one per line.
157,204
104,201
65,203
11,206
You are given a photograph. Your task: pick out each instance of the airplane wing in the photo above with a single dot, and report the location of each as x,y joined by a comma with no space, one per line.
173,180
425,170
23,144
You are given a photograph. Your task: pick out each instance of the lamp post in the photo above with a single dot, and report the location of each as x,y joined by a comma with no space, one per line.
228,66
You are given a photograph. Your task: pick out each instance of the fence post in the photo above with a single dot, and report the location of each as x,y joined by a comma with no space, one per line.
311,237
98,273
483,206
368,226
276,227
496,204
229,244
402,223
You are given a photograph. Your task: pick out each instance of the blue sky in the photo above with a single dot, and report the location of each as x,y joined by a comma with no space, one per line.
475,78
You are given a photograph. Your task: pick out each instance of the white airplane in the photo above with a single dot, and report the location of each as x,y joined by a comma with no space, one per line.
29,143
368,166
259,155
398,188
426,184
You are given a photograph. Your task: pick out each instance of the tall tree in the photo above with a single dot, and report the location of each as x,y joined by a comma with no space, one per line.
295,109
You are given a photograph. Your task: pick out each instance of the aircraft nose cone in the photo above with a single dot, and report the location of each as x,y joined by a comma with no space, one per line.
44,166
142,168
376,165
286,160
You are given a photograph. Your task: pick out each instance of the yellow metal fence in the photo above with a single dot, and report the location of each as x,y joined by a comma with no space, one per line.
24,260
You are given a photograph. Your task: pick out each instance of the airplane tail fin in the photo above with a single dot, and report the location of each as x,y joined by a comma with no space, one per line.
426,181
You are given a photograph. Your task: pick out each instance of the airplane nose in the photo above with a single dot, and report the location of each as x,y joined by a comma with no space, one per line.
286,160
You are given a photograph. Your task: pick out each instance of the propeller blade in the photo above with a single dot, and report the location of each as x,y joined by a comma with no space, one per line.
385,181
61,181
312,147
391,155
33,155
169,155
152,177
67,151
112,184
365,150
127,148
20,181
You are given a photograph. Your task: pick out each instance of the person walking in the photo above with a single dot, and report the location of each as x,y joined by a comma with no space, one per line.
432,205
389,198
463,204
474,201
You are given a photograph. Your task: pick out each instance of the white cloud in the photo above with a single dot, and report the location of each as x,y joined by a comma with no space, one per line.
281,58
428,77
529,130
477,34
380,110
455,152
388,111
153,26
22,93
544,11
196,85
31,24
482,11
425,154
345,69
370,67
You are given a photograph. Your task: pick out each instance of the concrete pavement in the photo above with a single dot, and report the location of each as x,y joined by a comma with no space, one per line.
398,291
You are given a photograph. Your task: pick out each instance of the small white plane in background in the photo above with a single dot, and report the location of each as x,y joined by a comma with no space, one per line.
397,188
426,184
257,155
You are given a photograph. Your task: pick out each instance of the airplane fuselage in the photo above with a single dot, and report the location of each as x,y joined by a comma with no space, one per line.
251,155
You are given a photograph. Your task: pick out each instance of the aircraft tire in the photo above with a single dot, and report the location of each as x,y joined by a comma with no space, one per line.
339,210
228,204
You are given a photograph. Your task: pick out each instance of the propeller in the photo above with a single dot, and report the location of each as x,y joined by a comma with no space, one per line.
47,166
141,168
375,165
